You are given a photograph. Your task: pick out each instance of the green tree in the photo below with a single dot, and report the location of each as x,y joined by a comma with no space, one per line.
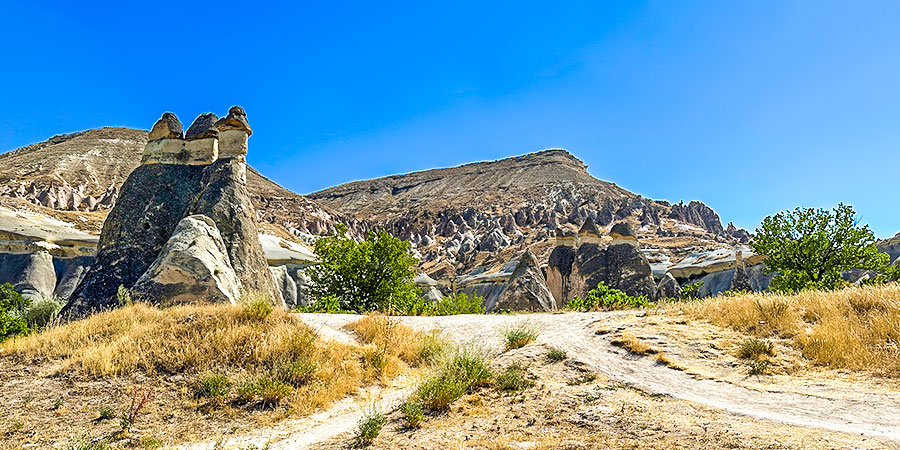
809,248
12,309
374,274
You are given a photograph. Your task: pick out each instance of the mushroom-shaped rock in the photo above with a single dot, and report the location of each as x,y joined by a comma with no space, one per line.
235,120
204,126
622,230
668,287
167,127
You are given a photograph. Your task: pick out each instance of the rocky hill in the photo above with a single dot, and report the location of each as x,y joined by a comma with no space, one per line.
480,214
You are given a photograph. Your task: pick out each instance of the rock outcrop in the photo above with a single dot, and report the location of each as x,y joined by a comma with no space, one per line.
285,285
32,275
155,198
573,271
668,287
526,290
192,267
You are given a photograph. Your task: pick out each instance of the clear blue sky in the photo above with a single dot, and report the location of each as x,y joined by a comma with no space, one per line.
751,107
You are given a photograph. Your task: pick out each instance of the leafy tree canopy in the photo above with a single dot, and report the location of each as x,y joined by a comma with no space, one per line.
12,309
374,274
809,248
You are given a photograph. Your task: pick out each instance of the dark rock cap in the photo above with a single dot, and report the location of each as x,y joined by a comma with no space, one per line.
622,230
235,120
167,127
204,126
589,229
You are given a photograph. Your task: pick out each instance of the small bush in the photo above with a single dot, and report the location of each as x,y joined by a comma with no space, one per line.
556,355
256,307
43,312
433,348
458,303
520,336
413,413
12,309
755,349
466,370
605,297
86,444
123,296
215,387
264,391
329,305
106,413
513,379
757,367
691,291
370,426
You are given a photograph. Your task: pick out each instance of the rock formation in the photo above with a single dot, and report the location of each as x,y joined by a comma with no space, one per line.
573,271
178,178
192,265
526,290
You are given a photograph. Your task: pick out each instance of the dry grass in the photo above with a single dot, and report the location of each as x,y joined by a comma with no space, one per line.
247,344
854,328
632,344
391,348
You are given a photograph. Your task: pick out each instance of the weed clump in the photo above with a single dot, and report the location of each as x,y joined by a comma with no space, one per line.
755,349
520,335
556,355
513,379
369,427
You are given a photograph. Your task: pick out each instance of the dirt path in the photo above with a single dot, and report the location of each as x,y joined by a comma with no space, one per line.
865,414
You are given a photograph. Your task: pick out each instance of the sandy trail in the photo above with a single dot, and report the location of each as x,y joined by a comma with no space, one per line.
876,415
865,413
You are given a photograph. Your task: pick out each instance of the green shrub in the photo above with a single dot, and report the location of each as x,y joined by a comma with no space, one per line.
556,355
466,370
369,427
12,310
691,290
513,379
459,303
375,274
215,387
413,413
755,349
520,335
328,305
106,413
433,347
605,297
123,296
757,367
43,312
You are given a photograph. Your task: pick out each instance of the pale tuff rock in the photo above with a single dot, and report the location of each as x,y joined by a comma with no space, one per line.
286,285
589,233
167,127
32,275
566,237
192,267
668,287
235,120
526,290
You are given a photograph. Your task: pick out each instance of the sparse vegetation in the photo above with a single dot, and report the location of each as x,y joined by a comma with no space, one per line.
853,328
808,248
413,413
755,349
281,361
633,344
464,371
369,427
514,378
691,290
520,335
43,313
556,355
604,297
758,367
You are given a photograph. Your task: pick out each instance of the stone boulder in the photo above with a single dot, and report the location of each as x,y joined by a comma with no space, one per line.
204,127
668,287
620,265
493,241
69,272
526,290
235,120
167,127
32,275
192,267
559,269
622,230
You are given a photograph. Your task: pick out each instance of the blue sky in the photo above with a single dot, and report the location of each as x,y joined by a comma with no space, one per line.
751,107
